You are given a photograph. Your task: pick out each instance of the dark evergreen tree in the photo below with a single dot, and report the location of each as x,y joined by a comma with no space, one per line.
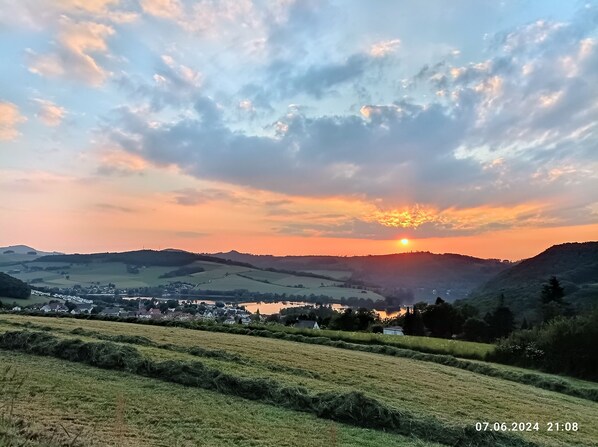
552,291
501,321
553,304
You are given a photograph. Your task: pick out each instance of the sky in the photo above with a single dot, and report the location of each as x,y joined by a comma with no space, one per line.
299,126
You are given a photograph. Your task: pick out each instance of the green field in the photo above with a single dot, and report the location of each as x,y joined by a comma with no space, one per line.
217,277
119,409
452,396
458,348
33,299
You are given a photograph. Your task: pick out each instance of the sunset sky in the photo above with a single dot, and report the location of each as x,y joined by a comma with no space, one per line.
298,126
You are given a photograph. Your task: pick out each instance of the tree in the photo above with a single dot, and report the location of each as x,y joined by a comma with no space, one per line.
164,306
13,287
413,323
442,319
476,329
551,296
501,320
552,291
70,305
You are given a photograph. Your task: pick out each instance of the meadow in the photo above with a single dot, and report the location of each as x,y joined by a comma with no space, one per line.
406,385
215,276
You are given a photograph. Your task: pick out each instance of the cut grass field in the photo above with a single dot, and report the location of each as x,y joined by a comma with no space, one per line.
453,396
119,409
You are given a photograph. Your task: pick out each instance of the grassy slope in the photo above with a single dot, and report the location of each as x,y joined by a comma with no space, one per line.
458,348
404,383
33,299
119,409
220,277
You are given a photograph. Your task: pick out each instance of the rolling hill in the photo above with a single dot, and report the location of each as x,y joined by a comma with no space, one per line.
149,268
428,275
574,264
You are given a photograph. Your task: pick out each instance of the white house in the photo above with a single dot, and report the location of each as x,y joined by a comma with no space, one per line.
54,307
393,330
307,324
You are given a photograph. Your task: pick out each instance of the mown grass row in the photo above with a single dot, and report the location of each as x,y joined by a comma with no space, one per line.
536,380
353,408
198,351
527,378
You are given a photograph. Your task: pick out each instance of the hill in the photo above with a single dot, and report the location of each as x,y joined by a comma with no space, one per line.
574,264
149,268
20,253
13,288
427,275
136,384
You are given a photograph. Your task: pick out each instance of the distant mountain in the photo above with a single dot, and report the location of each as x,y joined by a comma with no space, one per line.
22,250
162,258
575,265
425,274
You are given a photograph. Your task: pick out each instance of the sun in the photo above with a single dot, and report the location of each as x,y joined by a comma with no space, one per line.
404,241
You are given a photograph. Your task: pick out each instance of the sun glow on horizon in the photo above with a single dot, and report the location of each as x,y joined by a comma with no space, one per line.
404,241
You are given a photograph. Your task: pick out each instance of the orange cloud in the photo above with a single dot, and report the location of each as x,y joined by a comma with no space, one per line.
49,113
405,218
384,48
113,160
166,9
78,42
10,118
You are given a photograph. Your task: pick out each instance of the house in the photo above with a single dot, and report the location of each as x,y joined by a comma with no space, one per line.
393,330
16,309
84,308
54,307
307,324
230,321
112,312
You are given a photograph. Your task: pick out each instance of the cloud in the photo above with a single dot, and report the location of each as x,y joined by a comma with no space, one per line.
78,44
516,128
384,48
173,84
166,9
117,162
49,113
41,15
10,118
109,207
192,197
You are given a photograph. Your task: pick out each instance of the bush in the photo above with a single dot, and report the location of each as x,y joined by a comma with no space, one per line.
564,345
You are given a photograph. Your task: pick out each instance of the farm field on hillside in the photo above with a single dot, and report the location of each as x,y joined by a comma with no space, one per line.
407,384
120,409
458,348
217,277
33,299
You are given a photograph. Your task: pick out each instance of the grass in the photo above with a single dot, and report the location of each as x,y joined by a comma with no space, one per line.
33,299
458,348
218,277
408,384
111,408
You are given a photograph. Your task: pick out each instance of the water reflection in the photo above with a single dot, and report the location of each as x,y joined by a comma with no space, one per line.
274,308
